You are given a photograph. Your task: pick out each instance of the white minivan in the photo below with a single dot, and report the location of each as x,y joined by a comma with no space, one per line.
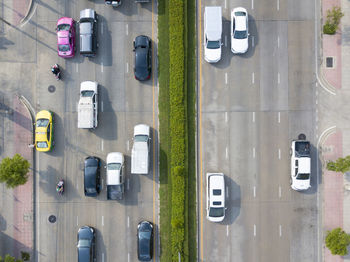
215,197
212,33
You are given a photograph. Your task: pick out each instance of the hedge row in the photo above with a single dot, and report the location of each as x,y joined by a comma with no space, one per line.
177,126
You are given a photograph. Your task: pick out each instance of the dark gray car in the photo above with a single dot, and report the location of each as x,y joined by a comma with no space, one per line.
92,184
143,57
86,244
145,241
88,32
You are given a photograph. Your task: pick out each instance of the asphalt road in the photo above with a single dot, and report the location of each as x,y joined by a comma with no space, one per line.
124,102
251,107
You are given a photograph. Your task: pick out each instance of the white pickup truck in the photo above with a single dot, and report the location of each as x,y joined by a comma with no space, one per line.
300,165
140,150
88,105
115,176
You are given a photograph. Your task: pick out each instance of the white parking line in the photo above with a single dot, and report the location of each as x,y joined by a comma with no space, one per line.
102,106
254,191
127,67
278,78
279,117
128,221
279,153
77,68
280,230
128,257
252,4
253,78
102,144
225,35
254,230
253,41
103,257
226,117
103,223
279,192
227,192
77,220
226,152
278,4
227,230
278,41
253,152
101,28
226,78
127,29
101,67
253,117
127,145
128,184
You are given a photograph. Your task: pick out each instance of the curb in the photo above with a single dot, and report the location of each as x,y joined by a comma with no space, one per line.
29,9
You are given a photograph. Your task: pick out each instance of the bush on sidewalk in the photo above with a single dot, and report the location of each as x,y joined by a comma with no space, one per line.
14,171
9,258
337,241
333,20
340,165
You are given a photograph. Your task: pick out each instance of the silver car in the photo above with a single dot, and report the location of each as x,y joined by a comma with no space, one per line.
88,32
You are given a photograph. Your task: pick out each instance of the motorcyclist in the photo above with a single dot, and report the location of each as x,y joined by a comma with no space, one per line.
59,186
55,69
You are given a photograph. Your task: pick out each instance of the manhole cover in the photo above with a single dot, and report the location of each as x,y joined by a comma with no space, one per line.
302,137
51,88
329,62
52,219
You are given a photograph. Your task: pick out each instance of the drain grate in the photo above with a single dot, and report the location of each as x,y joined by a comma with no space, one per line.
52,219
329,62
51,88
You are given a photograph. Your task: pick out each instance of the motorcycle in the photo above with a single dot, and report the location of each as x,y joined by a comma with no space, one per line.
60,187
55,69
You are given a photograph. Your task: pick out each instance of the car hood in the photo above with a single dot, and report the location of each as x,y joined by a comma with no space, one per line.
239,45
212,55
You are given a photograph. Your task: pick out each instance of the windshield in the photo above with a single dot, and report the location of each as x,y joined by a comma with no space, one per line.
63,27
87,93
303,176
240,35
63,48
113,166
42,122
141,138
213,44
216,211
84,243
41,144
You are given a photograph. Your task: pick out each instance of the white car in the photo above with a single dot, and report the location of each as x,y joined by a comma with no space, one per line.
115,176
300,165
215,197
239,30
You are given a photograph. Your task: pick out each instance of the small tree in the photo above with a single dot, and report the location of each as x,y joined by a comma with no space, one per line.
340,165
337,241
9,258
14,171
25,256
333,20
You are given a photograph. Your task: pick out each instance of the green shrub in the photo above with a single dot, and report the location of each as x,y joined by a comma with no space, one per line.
337,241
329,29
333,20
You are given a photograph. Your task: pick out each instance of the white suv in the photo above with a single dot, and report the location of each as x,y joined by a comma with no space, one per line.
215,197
300,165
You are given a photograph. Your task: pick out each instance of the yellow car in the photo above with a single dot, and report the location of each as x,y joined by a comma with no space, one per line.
44,131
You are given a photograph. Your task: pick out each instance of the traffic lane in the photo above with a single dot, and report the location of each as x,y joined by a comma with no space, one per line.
270,9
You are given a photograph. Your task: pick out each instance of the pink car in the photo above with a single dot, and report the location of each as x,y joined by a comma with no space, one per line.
65,37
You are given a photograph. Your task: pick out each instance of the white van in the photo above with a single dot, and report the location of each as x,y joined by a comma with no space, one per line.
88,105
215,197
212,33
300,165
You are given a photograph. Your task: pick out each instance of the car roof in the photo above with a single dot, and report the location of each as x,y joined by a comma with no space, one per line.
241,24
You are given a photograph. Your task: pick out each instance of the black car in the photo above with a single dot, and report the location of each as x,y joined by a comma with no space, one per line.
92,183
86,244
88,32
145,241
143,57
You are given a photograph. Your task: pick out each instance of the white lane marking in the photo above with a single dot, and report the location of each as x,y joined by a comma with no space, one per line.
279,117
127,67
103,257
253,78
254,230
101,28
280,230
252,4
253,117
77,68
253,41
227,230
101,67
102,184
128,257
227,192
77,220
226,152
127,29
278,78
226,78
128,184
103,222
226,117
253,152
102,106
102,143
127,145
225,39
279,192
278,4
254,191
278,41
225,4
279,153
128,221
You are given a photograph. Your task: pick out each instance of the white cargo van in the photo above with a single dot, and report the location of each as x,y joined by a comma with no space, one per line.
212,33
300,165
88,105
215,197
140,150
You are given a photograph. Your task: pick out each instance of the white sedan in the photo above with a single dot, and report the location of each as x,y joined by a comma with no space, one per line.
239,30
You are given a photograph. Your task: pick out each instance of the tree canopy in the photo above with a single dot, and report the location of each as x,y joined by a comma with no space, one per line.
14,171
337,241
